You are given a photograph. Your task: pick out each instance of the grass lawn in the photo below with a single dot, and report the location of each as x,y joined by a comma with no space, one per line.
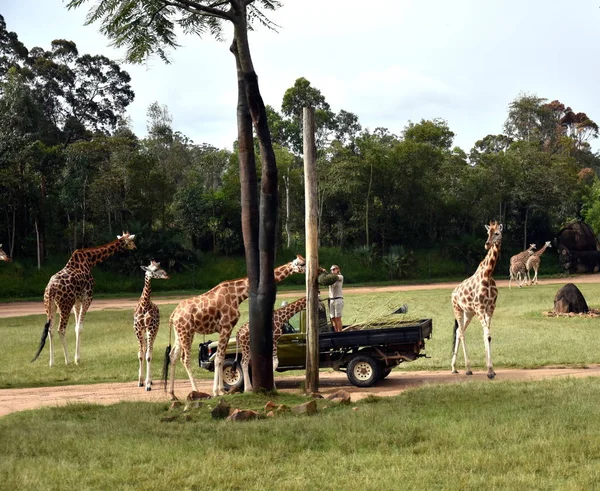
521,337
481,435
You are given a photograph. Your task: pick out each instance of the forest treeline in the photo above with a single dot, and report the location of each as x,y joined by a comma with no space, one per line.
74,174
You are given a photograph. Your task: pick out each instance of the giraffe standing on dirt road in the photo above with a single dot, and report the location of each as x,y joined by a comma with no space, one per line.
477,296
280,317
146,321
72,288
518,270
534,262
215,311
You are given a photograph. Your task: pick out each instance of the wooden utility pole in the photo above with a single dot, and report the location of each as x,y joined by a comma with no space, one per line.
312,251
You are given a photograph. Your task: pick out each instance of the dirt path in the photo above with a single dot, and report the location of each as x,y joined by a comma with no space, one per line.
18,309
13,400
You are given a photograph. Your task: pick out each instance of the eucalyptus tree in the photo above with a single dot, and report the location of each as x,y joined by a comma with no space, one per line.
147,27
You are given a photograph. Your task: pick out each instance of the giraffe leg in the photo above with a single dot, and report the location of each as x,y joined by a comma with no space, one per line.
218,388
487,341
62,327
186,349
80,311
466,320
174,355
51,335
535,279
243,340
139,332
150,348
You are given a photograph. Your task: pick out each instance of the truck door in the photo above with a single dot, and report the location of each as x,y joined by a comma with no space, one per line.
291,349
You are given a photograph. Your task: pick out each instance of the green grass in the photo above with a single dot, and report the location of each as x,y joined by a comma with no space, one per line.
478,435
521,337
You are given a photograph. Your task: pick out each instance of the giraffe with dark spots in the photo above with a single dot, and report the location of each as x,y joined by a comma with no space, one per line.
280,317
146,321
3,255
216,311
72,288
477,296
534,262
518,270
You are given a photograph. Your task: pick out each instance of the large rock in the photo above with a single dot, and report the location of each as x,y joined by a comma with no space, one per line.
569,299
578,236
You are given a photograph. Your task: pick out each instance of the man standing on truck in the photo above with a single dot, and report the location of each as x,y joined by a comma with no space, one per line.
336,299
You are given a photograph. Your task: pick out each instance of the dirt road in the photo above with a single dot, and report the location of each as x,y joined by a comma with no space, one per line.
18,309
12,400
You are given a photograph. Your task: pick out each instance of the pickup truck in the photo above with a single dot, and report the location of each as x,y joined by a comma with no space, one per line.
366,352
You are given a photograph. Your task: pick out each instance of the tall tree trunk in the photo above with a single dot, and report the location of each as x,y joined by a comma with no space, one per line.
37,239
525,228
261,306
286,180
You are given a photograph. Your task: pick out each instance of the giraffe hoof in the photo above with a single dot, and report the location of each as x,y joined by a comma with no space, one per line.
454,371
491,375
468,372
140,384
148,388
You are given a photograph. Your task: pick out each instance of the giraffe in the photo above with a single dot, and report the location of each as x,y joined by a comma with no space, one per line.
280,317
215,311
73,288
477,296
534,262
3,255
146,320
517,270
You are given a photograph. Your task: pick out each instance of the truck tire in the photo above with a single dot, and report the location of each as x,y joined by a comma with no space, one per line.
233,377
363,371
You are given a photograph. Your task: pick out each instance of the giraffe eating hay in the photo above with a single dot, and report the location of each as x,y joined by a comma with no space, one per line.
73,288
534,262
3,255
280,317
146,321
477,296
215,311
517,270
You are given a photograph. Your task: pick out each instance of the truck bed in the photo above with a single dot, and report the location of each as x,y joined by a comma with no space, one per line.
412,333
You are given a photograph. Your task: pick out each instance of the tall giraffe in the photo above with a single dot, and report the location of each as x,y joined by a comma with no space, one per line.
146,321
215,311
72,288
477,296
517,270
280,317
3,255
534,262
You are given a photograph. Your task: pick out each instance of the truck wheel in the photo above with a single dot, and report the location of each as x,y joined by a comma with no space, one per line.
363,371
385,371
233,377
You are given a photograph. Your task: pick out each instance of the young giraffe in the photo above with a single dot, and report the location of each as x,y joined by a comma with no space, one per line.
215,311
3,255
477,296
280,317
534,262
72,288
517,270
146,320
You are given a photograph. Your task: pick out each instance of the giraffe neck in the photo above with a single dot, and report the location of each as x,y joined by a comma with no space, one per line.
147,291
93,255
242,286
282,272
288,311
541,251
486,267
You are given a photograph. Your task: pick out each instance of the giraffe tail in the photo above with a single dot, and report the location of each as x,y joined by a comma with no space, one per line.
165,371
455,334
43,340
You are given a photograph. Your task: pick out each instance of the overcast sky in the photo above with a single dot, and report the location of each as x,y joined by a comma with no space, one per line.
387,61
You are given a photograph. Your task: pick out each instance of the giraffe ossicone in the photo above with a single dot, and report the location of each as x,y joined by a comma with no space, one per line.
477,296
72,288
146,321
216,311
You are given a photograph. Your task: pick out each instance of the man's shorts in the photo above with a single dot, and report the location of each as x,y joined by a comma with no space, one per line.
336,307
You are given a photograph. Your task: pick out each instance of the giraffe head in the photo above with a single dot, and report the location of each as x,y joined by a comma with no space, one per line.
126,240
547,244
3,255
155,271
531,249
494,230
298,265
